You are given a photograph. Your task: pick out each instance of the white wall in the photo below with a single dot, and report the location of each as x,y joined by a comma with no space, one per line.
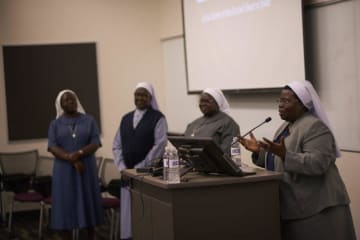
332,34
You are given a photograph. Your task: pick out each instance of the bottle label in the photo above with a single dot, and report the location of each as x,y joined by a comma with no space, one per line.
173,163
235,151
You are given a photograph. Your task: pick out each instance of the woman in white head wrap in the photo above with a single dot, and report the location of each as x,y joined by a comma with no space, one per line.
313,197
73,139
310,99
151,91
140,138
59,109
216,121
220,99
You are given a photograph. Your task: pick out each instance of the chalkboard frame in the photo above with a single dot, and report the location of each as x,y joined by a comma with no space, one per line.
35,74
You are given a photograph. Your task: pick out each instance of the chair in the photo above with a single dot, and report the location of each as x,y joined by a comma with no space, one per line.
18,169
99,162
43,185
111,203
45,205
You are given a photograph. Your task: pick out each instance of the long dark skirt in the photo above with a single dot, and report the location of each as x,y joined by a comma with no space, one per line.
333,223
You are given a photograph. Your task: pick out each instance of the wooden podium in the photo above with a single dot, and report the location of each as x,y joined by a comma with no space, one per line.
206,207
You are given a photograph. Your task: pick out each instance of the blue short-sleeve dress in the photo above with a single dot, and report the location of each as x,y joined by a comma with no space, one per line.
76,199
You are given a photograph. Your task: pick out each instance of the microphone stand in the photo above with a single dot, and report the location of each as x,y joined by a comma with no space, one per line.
266,120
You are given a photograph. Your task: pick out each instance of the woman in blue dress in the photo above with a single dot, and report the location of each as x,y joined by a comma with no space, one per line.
73,140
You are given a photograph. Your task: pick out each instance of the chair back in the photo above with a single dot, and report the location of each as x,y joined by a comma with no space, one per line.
45,165
99,162
18,169
19,162
108,171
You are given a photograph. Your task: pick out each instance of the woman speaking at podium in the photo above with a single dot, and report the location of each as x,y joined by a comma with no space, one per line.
314,203
216,121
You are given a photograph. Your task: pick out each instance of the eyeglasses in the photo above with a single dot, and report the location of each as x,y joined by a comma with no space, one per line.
284,101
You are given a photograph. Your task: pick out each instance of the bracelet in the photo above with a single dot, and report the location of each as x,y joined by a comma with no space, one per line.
81,152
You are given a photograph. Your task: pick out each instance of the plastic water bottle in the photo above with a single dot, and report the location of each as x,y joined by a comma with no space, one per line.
174,167
166,164
235,151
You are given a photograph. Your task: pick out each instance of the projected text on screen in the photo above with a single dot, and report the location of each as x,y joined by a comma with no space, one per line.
243,44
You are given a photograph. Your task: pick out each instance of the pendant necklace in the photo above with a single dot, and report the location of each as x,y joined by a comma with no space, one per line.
73,130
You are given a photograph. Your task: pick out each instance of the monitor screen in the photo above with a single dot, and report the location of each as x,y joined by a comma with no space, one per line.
204,155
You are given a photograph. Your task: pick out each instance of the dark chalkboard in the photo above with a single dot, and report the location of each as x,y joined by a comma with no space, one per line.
34,75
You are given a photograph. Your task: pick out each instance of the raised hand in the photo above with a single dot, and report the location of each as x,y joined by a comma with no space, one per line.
278,149
250,144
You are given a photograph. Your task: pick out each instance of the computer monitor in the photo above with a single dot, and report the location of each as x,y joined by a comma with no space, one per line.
205,156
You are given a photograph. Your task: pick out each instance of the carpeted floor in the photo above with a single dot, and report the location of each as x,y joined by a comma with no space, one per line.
25,227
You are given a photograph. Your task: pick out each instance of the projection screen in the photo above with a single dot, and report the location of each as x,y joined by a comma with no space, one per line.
243,44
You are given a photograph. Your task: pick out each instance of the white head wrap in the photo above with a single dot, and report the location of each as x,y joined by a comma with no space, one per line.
308,96
59,110
150,89
220,99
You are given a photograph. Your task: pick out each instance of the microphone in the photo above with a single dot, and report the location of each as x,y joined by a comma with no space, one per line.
268,119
